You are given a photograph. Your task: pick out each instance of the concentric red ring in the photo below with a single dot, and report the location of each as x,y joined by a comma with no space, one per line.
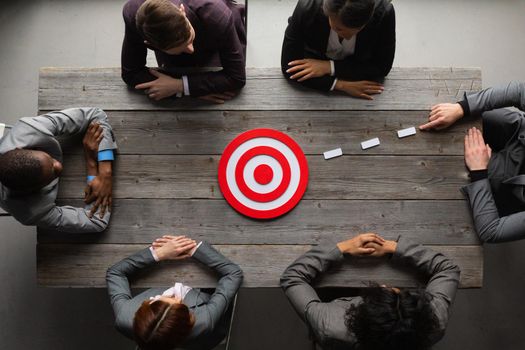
260,133
262,197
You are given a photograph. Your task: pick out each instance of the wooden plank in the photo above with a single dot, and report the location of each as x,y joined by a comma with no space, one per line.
265,89
208,132
79,265
311,222
347,177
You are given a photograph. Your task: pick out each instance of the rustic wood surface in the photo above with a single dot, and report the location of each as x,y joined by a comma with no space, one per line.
208,132
165,177
266,89
347,177
81,265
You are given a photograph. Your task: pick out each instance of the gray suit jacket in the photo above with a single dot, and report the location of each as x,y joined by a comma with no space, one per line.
210,325
40,133
489,225
327,320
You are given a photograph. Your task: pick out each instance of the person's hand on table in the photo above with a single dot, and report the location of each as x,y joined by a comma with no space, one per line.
442,116
219,98
170,247
357,246
477,153
308,68
162,87
100,191
362,89
91,140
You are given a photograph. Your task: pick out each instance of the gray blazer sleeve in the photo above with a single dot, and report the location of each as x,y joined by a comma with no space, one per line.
444,276
297,279
511,95
74,121
489,226
229,283
73,220
117,280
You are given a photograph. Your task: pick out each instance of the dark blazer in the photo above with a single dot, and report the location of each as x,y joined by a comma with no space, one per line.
307,37
210,326
497,203
327,320
220,41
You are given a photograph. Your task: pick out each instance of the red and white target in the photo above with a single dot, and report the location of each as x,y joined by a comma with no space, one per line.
263,173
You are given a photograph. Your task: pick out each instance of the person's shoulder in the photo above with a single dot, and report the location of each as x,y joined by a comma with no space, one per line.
310,6
382,9
129,11
213,14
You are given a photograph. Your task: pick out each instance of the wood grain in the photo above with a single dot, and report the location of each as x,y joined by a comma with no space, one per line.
311,222
265,89
208,132
81,265
346,177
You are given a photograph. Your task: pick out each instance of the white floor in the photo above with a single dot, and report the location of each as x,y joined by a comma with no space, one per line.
81,33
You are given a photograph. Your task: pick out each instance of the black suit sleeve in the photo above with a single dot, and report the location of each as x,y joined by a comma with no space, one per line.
293,46
378,62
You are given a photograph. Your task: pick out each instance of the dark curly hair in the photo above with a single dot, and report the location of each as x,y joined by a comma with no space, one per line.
390,320
352,13
20,170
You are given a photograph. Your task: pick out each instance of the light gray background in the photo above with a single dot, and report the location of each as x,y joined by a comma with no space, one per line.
467,33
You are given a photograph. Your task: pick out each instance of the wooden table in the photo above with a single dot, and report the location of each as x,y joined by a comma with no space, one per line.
165,178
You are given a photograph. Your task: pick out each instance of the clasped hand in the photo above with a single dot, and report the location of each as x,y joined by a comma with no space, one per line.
367,244
170,247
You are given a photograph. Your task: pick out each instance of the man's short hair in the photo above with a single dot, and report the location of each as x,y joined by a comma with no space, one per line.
389,320
20,170
162,24
352,13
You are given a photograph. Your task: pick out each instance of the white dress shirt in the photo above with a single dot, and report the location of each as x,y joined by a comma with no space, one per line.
338,50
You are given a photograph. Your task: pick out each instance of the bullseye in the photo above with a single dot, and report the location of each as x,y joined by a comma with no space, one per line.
263,174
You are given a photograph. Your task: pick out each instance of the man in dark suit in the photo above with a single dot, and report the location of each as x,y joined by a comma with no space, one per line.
494,158
185,34
340,45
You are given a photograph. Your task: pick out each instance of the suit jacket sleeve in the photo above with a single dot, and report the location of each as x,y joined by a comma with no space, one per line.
379,63
297,279
511,95
489,226
232,77
293,45
117,280
73,220
444,276
230,280
67,122
134,51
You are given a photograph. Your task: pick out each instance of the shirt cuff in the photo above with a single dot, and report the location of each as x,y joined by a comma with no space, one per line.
197,247
333,85
106,155
332,68
91,178
464,105
478,175
153,254
186,85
